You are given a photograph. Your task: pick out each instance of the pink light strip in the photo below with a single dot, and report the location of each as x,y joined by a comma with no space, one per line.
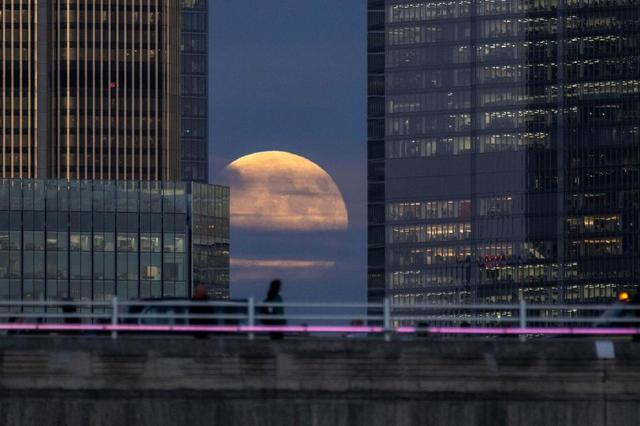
516,330
193,328
323,329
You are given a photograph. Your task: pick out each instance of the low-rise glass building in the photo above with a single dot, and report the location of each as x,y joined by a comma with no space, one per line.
91,240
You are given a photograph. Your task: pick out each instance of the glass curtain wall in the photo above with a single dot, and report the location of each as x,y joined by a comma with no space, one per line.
88,240
194,91
114,88
511,150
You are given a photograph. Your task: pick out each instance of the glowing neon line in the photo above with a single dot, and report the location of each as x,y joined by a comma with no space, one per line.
322,329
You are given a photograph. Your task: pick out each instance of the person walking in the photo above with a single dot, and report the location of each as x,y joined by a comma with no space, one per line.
277,311
200,295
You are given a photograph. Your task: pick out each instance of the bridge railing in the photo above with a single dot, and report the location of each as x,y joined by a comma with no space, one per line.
252,317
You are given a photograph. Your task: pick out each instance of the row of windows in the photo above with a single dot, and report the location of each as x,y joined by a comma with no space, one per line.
434,297
574,293
428,147
596,247
194,128
614,22
543,51
422,11
420,125
425,11
194,22
579,4
519,273
194,64
194,107
194,43
603,200
426,79
193,85
496,206
601,89
576,70
401,81
595,224
138,57
601,268
517,95
456,275
417,57
425,256
610,177
87,290
428,233
75,241
428,33
512,27
536,120
452,275
489,206
429,210
495,28
88,196
460,99
583,293
194,149
99,266
138,16
194,5
605,45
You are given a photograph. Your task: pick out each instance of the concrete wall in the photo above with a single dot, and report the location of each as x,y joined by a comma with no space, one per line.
162,381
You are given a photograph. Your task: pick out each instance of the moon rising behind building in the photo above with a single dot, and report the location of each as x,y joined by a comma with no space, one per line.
287,212
276,190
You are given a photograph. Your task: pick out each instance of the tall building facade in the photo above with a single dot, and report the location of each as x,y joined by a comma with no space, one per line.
91,240
504,150
194,90
91,90
101,102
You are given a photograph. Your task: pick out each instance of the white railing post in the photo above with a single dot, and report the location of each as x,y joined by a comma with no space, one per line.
114,316
523,317
386,308
251,314
523,313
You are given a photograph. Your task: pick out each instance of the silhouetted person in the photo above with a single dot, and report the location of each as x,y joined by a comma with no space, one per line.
15,320
69,312
200,295
69,315
273,296
422,329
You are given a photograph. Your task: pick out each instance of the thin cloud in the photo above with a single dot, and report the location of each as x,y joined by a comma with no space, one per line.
262,270
282,263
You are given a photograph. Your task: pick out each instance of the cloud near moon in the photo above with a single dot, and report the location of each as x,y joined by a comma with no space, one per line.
280,191
260,270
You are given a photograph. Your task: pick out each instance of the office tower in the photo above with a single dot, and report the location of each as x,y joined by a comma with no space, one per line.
90,127
504,150
91,240
93,93
375,151
194,72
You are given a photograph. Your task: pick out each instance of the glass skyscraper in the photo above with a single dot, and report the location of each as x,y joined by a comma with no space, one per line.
103,110
504,150
194,87
90,90
87,240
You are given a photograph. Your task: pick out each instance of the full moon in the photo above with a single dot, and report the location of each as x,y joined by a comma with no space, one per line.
276,190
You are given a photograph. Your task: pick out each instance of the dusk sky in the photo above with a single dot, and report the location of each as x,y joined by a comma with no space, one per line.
290,75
